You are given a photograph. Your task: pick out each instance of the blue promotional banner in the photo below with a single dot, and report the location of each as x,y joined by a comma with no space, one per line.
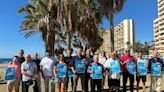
115,67
70,74
10,74
131,67
156,69
97,72
61,70
142,68
80,66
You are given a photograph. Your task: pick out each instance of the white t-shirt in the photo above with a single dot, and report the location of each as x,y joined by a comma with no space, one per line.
111,75
48,65
102,60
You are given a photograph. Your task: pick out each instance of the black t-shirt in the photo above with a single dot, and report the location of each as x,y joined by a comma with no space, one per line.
37,62
68,60
21,60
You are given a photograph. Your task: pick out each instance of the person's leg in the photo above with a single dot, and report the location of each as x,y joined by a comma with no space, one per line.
75,81
35,87
144,84
62,87
125,77
83,83
9,86
152,86
39,82
99,85
92,85
17,84
59,87
131,82
158,88
87,76
46,84
25,86
72,82
66,84
138,81
52,86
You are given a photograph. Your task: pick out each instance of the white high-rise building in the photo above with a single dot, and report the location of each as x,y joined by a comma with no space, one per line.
124,35
159,29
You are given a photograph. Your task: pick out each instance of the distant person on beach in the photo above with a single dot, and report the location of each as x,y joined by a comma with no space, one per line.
47,66
139,76
113,77
60,71
14,83
37,62
68,60
88,61
126,74
78,68
155,79
96,73
21,56
29,71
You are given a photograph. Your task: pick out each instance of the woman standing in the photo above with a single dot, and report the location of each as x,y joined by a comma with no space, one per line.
60,71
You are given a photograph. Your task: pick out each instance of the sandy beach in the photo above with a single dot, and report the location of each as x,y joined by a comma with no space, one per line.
3,86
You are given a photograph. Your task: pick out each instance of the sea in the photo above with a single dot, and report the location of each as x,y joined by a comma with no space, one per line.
5,60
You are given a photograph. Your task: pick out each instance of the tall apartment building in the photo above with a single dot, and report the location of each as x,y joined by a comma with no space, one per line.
159,29
124,35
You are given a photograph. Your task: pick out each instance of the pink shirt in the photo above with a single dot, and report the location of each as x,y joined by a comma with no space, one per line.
17,70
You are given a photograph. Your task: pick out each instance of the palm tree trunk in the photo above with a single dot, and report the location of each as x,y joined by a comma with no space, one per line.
112,31
68,40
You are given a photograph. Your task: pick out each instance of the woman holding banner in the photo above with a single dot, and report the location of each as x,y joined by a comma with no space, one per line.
60,71
141,71
96,73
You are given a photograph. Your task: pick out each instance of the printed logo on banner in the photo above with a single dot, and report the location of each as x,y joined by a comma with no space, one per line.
142,68
156,69
80,66
115,67
131,67
10,74
97,72
61,70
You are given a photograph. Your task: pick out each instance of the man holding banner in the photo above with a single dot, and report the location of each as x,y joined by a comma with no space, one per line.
113,66
155,66
128,62
13,75
79,68
96,73
141,71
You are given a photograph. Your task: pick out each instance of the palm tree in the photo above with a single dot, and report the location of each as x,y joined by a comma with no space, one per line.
41,17
108,9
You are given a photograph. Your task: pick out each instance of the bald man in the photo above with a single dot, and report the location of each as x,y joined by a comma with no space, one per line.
155,80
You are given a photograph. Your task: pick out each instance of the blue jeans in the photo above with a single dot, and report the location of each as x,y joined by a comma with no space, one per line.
46,83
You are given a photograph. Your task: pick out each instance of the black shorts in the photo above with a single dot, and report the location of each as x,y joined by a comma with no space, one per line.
113,82
138,78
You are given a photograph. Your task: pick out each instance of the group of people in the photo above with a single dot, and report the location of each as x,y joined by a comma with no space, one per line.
93,68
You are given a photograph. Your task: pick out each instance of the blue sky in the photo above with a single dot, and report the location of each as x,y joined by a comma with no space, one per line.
11,41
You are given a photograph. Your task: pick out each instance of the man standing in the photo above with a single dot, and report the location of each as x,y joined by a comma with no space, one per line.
78,67
14,83
21,56
29,70
36,60
127,58
155,80
47,65
68,60
88,61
